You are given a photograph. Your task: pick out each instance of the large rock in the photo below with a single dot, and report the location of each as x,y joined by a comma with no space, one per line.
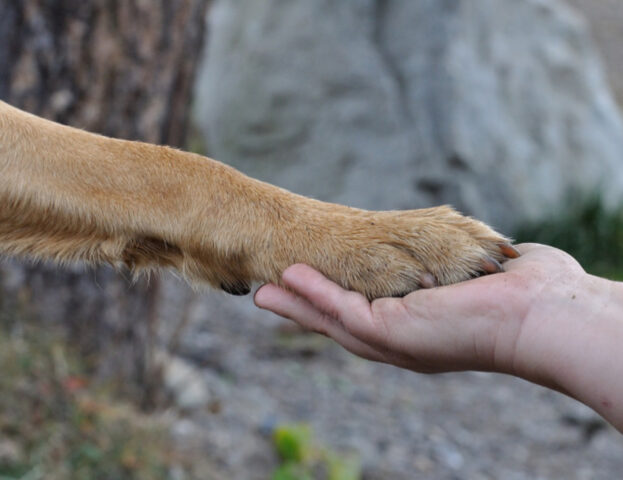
605,18
498,107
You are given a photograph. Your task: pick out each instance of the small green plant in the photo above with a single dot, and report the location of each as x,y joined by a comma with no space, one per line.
343,467
588,231
303,459
293,442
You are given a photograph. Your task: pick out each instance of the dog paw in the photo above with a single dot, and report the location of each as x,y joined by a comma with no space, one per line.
384,254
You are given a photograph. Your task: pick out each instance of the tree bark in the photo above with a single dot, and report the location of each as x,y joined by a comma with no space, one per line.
123,69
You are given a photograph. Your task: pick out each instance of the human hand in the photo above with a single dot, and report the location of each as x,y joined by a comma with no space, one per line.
534,321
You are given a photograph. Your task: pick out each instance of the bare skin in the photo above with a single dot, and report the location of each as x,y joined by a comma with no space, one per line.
544,319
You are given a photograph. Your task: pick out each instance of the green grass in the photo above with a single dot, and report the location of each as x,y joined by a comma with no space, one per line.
588,231
304,459
56,425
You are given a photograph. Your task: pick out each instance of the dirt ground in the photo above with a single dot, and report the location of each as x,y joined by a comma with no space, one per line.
401,424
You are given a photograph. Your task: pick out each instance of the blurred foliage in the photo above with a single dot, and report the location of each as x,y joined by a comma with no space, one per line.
293,442
588,231
196,142
303,459
54,424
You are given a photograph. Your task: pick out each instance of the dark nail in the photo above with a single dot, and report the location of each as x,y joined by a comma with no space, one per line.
491,265
238,288
508,250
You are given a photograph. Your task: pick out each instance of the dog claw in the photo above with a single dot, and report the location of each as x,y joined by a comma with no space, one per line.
237,289
508,250
491,265
428,280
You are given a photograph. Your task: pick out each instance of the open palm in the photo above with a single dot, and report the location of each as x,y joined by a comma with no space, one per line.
534,320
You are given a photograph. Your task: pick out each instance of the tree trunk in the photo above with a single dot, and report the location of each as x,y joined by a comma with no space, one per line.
124,69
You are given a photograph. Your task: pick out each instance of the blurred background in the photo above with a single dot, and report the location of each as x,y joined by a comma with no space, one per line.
507,109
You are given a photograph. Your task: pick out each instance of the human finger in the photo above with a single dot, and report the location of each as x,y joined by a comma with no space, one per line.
289,305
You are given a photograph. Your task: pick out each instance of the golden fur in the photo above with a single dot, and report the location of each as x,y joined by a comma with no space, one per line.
68,195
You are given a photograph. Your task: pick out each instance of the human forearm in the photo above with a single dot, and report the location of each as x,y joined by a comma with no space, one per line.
587,359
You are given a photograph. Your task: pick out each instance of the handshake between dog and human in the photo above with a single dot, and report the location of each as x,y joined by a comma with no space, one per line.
67,195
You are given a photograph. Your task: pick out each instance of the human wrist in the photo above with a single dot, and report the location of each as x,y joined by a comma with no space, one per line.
586,355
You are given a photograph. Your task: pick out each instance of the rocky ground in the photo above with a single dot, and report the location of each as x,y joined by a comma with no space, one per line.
403,425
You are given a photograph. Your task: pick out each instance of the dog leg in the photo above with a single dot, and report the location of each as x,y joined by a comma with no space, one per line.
67,195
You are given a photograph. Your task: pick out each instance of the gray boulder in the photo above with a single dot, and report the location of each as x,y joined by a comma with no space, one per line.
498,107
